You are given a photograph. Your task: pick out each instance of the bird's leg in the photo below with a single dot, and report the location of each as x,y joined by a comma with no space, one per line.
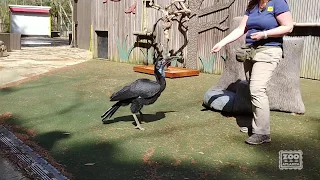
137,122
141,117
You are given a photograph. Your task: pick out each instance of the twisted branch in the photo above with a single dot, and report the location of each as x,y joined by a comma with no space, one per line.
167,18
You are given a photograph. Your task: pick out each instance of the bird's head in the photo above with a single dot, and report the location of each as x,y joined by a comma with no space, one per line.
161,63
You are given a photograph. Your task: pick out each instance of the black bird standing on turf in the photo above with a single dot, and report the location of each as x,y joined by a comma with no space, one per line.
139,93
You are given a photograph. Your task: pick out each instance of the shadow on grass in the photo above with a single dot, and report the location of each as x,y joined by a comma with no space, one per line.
48,140
110,159
13,89
145,118
242,120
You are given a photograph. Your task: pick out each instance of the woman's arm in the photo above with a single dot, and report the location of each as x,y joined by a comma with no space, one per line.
286,27
237,33
234,35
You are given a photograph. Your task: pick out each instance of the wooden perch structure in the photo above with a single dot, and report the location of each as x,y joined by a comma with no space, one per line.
191,11
167,17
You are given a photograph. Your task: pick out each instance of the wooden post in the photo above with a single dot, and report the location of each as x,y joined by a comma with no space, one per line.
74,42
1,25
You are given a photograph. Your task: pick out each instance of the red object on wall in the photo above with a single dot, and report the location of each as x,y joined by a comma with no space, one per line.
21,9
131,9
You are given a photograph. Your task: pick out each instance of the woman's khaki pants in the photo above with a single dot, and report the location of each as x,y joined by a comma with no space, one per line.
258,73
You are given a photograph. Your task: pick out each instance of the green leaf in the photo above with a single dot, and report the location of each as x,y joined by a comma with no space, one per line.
207,64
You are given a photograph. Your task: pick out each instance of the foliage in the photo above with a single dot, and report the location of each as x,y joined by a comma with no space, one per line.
150,55
5,13
207,64
122,50
175,62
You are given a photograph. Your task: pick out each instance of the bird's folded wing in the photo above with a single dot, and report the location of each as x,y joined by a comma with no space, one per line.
143,88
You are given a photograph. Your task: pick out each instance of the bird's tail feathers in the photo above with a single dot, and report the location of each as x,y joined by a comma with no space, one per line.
108,114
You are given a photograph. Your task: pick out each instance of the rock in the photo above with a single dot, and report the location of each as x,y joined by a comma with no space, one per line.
3,50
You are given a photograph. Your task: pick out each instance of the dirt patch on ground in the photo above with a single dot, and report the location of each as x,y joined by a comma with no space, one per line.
4,117
148,155
32,61
35,76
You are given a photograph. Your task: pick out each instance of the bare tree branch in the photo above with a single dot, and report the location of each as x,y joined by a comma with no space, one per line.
167,17
213,24
215,8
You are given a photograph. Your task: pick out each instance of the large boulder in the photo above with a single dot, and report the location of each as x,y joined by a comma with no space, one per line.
3,50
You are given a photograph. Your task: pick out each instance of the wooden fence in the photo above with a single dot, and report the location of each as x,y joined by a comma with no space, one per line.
84,27
95,17
307,11
11,40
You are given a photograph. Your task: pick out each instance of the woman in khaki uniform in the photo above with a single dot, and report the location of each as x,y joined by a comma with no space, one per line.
265,22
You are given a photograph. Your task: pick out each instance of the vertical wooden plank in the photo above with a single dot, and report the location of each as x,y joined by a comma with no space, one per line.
94,27
84,23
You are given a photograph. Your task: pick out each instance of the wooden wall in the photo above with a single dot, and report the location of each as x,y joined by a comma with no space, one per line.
110,17
11,40
308,11
84,23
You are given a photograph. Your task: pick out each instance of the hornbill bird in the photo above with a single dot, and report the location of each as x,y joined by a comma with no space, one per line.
141,92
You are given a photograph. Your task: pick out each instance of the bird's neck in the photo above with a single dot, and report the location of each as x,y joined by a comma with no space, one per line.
160,79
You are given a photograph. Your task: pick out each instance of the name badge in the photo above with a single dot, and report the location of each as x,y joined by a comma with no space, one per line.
270,9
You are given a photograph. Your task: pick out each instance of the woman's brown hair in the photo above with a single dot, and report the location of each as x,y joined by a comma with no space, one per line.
252,4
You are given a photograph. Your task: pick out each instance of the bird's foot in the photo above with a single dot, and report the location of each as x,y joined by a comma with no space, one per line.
137,122
139,127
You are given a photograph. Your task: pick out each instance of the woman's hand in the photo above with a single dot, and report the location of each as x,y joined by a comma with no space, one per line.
257,36
216,48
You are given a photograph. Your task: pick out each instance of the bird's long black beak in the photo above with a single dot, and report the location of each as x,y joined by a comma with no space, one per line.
166,61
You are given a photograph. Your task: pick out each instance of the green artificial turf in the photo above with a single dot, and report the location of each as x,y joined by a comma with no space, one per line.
180,141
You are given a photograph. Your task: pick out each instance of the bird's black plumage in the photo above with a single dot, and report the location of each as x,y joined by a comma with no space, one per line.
139,93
